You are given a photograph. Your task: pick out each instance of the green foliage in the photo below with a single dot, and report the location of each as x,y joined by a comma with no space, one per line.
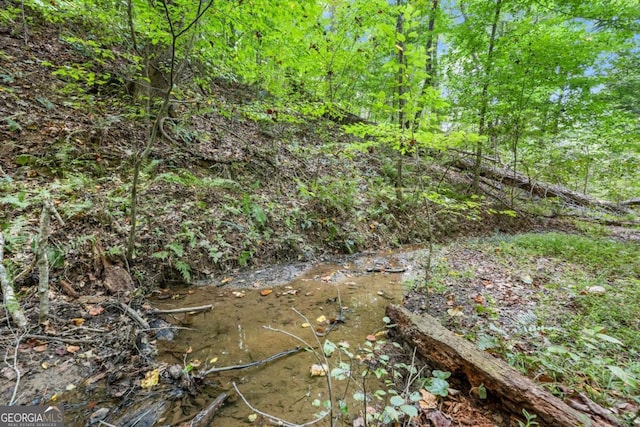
373,366
592,339
529,420
187,179
438,384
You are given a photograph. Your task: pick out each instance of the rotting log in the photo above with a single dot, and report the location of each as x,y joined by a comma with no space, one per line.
540,189
513,392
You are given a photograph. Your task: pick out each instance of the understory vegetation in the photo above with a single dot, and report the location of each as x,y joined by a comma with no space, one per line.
575,324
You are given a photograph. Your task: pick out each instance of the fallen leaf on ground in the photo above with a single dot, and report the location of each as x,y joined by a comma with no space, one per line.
428,401
150,379
265,292
94,310
526,279
73,348
318,370
455,311
438,419
40,348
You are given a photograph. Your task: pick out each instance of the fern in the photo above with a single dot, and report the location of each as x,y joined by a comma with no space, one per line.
184,269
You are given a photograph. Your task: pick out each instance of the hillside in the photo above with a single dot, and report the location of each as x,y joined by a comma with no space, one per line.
235,186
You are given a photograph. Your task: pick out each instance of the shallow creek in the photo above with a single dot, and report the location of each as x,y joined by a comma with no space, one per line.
234,332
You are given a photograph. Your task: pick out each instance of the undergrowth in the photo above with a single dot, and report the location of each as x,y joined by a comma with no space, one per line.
583,330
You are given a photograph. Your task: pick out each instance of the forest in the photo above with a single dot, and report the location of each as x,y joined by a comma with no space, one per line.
473,166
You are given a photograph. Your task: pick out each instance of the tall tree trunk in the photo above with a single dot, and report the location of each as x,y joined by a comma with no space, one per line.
484,98
429,64
402,102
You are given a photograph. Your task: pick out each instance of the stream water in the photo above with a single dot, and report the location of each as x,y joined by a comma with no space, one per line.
245,325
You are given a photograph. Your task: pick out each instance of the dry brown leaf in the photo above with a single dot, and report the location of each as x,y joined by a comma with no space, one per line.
150,379
49,329
455,312
40,348
428,401
72,348
95,310
266,292
77,321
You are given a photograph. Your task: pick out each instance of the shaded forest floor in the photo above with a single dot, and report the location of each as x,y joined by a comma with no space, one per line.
235,188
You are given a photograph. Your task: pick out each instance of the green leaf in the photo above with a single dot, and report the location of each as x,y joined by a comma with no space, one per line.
441,374
177,248
160,255
328,348
392,413
482,392
626,377
409,410
610,339
439,387
397,400
184,269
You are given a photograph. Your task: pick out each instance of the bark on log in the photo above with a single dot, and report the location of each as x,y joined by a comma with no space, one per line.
513,392
540,189
9,300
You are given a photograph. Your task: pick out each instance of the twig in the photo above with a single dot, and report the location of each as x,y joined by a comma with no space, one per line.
252,364
322,361
14,365
61,339
276,420
204,418
26,271
182,310
134,315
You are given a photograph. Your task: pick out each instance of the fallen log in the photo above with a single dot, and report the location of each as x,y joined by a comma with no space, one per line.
540,189
513,392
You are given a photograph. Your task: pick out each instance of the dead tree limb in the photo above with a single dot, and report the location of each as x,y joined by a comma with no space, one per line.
190,310
252,364
506,386
540,189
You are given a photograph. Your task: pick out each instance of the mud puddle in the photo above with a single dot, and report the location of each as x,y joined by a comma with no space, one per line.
248,324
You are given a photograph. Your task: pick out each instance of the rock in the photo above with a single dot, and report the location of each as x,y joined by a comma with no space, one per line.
597,290
98,415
